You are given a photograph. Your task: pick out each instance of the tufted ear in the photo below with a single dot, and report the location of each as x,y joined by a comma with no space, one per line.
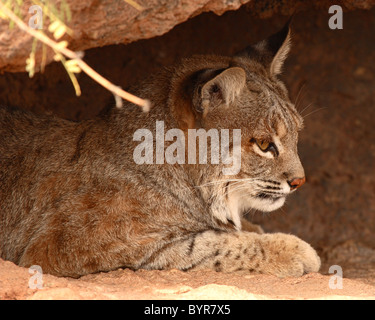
222,89
272,51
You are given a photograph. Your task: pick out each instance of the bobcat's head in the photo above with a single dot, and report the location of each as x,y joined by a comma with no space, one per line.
243,92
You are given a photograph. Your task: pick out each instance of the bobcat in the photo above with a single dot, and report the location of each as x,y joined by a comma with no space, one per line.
74,202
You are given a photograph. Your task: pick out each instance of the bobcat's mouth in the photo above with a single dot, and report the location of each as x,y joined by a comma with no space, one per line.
267,202
268,196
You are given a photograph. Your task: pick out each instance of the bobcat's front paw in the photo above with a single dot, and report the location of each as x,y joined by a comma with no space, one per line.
287,255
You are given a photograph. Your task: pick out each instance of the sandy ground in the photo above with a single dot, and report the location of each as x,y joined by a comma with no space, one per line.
15,283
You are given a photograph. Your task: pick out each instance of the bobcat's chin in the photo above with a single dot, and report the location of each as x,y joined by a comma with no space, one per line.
265,203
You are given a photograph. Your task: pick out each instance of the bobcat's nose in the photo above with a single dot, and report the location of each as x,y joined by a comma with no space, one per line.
296,183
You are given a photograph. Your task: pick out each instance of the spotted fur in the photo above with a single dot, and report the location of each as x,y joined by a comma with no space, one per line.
74,201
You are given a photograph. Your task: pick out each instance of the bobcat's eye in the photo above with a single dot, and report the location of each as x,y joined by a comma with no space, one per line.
266,146
262,144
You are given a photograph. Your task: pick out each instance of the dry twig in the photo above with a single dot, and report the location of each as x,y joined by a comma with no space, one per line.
60,47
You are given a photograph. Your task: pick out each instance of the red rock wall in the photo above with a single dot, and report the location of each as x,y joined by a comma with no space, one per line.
107,22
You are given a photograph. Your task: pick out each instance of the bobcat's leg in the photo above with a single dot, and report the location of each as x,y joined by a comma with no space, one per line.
278,254
251,227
